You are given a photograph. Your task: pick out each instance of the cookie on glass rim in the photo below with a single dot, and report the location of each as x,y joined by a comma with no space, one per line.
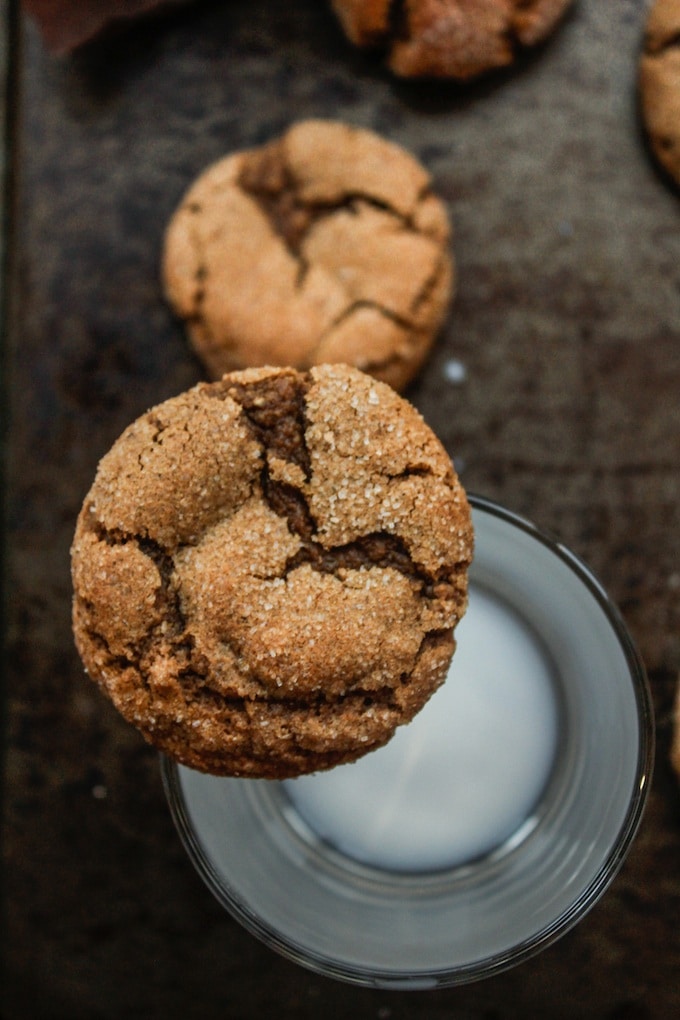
268,570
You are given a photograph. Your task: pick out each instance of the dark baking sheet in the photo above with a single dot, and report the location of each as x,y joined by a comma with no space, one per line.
567,328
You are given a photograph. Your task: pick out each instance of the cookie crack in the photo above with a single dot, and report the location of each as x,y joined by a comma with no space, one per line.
267,179
405,322
656,47
115,661
413,471
160,427
191,667
395,357
375,365
379,549
356,306
171,608
381,367
275,412
383,697
173,627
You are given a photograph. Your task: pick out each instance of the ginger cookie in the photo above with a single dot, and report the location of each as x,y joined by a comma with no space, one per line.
459,39
326,245
675,737
659,81
268,569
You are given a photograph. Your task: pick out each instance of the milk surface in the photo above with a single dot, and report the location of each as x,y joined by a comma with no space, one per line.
465,774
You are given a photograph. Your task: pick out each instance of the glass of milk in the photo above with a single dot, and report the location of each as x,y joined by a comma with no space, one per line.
487,827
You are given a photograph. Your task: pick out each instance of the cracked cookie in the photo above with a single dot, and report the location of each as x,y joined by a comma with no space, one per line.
659,82
459,39
326,245
268,569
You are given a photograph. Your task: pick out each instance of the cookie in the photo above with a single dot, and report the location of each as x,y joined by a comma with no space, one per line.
675,738
459,39
268,569
326,245
659,83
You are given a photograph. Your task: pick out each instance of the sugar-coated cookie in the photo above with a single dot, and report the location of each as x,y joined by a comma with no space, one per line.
459,39
326,245
268,569
660,84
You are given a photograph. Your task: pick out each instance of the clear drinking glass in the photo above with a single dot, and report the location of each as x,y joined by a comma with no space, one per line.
349,917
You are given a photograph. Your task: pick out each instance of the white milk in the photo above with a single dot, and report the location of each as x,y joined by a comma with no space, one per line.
466,774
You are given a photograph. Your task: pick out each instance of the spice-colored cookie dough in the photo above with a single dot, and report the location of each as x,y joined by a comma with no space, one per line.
268,570
449,38
326,245
660,84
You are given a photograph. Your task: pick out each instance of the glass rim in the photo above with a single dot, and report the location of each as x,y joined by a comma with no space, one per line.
488,966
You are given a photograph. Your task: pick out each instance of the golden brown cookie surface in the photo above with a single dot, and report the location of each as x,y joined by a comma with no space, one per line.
660,84
324,246
267,570
449,38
